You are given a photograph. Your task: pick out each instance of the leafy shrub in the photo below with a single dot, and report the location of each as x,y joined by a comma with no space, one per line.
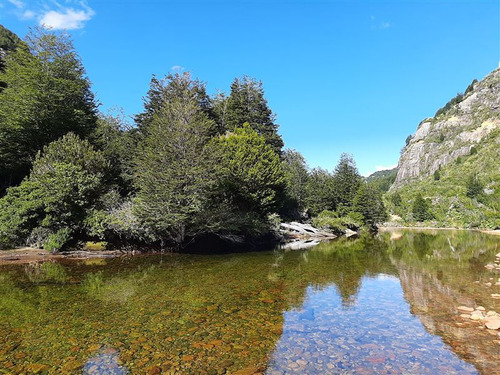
57,240
396,199
420,209
454,101
65,182
437,175
470,87
473,186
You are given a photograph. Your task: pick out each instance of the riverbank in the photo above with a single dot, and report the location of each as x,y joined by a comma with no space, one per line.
292,241
28,255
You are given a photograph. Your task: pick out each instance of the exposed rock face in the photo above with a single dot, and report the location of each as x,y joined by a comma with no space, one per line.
442,139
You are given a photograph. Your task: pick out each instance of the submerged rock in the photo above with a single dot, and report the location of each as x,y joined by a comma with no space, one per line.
465,309
477,315
492,322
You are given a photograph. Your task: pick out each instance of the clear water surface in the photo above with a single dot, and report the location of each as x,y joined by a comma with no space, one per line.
372,305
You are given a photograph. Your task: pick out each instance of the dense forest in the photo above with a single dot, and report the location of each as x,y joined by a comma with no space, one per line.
190,165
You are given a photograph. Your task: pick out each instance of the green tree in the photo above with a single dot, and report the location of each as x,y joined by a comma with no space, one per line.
246,103
346,181
220,106
166,90
368,202
8,42
297,175
170,171
437,175
47,96
396,199
249,179
51,205
320,193
117,139
420,209
473,186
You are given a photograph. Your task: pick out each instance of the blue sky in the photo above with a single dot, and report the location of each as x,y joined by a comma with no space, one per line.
342,76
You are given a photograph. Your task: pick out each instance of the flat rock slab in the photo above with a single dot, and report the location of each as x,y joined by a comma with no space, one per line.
492,322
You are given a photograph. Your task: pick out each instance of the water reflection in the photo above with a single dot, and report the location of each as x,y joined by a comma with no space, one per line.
451,274
105,362
373,304
376,334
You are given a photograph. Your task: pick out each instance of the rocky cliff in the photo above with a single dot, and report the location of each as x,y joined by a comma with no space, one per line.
455,131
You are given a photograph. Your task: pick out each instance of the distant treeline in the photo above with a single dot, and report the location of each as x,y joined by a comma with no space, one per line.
189,165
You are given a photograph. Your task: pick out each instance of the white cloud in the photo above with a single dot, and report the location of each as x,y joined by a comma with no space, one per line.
380,168
69,14
177,68
17,3
66,18
28,15
382,25
383,168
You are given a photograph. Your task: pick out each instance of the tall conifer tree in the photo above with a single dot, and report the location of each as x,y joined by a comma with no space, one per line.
246,103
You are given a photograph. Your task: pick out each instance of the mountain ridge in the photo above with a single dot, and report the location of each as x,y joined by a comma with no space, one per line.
452,163
452,133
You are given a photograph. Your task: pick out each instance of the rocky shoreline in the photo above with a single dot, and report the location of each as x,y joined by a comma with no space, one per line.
489,320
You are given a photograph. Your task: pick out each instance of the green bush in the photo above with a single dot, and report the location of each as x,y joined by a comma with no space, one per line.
437,175
473,186
421,209
66,181
57,240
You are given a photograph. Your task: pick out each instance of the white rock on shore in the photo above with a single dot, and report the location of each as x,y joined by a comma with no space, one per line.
304,230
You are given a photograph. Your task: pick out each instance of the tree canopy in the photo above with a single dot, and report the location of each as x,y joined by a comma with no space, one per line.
47,95
52,204
169,171
192,164
246,104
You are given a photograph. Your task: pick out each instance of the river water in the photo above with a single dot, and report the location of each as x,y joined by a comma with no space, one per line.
373,305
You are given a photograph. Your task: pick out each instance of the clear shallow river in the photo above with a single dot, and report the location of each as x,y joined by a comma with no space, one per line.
383,305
